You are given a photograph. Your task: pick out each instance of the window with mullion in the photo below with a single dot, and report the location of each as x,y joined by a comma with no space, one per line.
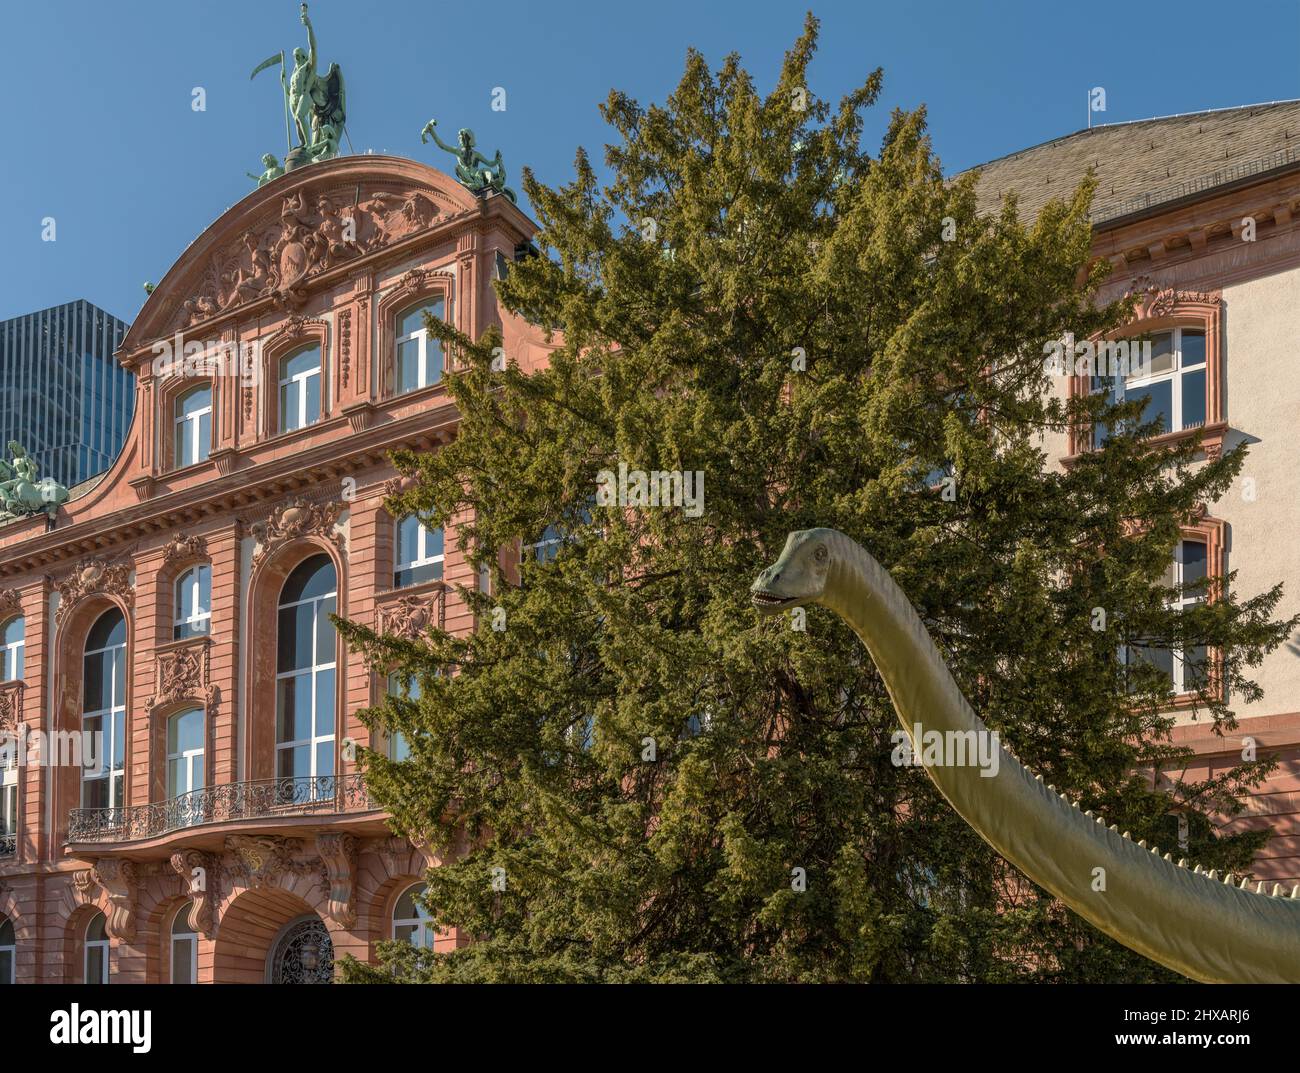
300,389
417,358
193,426
104,711
305,685
12,646
1188,575
1173,387
419,553
193,603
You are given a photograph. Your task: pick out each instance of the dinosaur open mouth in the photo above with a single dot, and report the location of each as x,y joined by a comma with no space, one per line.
767,599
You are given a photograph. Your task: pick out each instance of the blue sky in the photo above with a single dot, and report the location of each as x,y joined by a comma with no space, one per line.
100,133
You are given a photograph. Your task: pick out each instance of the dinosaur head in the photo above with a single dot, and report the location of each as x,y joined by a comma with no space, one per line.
798,576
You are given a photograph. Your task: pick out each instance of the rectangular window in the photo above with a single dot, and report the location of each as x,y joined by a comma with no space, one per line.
300,389
419,553
1185,669
1173,387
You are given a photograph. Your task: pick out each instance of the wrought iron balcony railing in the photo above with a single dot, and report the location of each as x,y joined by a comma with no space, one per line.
267,798
8,844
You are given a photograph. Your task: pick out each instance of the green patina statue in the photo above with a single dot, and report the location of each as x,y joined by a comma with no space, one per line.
1212,928
21,493
273,170
315,103
476,172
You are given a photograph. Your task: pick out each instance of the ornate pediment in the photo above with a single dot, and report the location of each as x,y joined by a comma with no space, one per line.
410,616
90,576
309,232
1156,300
296,518
182,548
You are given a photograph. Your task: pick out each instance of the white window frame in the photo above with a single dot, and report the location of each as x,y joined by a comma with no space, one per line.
197,451
107,762
424,935
299,382
9,788
186,938
1122,386
1178,666
423,541
202,615
88,945
13,651
314,739
186,755
422,334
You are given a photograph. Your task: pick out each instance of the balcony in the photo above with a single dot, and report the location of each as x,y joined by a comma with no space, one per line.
8,845
267,799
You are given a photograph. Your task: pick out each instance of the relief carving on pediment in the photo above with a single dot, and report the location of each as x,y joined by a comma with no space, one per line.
313,232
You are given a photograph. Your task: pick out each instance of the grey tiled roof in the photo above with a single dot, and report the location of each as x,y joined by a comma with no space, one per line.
1147,161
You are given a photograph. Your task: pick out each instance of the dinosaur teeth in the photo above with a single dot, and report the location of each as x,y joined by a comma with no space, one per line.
1143,844
1198,869
1213,873
1115,827
1169,857
1277,890
1229,878
1127,835
1182,862
1053,788
1090,814
1245,883
1260,888
1039,778
1295,891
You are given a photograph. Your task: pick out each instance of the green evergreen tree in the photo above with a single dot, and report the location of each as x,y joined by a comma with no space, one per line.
625,778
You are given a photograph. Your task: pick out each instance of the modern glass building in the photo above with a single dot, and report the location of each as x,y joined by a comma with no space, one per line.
62,394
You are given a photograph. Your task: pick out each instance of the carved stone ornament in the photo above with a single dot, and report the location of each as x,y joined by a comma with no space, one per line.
10,603
11,705
262,859
120,882
410,616
199,872
299,517
183,674
183,548
345,344
1155,300
91,576
313,231
339,853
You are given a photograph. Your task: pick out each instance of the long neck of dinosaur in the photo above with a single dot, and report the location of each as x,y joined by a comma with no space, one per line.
1187,920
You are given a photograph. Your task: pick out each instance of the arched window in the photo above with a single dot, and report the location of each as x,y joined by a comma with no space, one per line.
104,710
184,949
406,686
8,950
193,426
11,649
305,688
300,388
95,960
418,358
419,553
185,752
193,603
411,921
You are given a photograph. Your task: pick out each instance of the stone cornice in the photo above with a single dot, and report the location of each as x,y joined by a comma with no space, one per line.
237,491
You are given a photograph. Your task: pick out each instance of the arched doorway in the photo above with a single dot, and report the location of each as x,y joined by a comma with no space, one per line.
302,953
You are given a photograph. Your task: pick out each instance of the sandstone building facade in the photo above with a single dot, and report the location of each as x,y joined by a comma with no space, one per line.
178,606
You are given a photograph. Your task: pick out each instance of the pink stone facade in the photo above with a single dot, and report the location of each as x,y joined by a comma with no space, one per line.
330,255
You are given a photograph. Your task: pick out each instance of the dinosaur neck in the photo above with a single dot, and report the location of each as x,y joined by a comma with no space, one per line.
1189,921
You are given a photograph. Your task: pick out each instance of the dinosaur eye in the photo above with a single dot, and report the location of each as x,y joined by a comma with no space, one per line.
820,554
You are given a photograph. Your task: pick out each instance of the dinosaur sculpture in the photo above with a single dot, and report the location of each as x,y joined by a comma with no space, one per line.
1204,926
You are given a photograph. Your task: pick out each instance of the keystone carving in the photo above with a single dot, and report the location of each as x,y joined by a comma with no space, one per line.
262,859
199,872
182,549
120,882
90,576
339,853
299,517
